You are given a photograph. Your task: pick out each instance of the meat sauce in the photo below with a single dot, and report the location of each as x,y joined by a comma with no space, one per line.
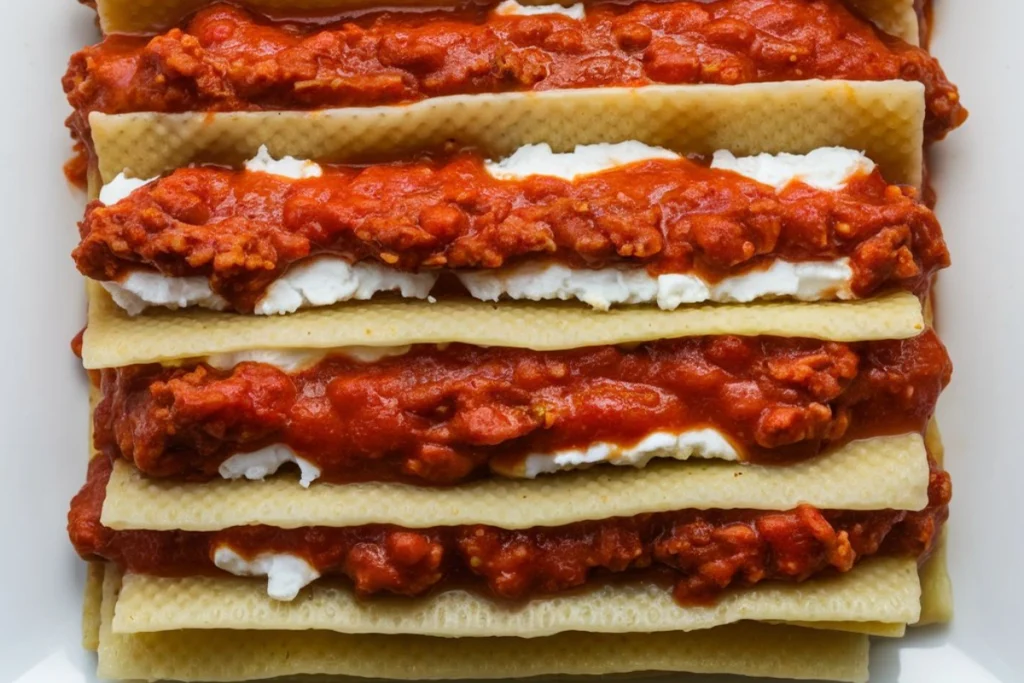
227,59
700,553
441,416
242,230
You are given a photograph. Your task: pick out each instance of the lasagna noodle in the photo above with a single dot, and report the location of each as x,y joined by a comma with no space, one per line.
870,474
93,591
884,119
225,655
91,605
115,339
936,587
883,590
895,17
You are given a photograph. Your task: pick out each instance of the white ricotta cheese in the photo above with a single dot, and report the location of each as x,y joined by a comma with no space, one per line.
318,282
120,187
538,281
604,288
327,280
288,167
258,465
826,168
142,289
286,573
583,160
695,443
511,7
806,281
289,360
294,360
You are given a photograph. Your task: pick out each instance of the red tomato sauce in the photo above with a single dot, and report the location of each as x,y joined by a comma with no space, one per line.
243,230
442,416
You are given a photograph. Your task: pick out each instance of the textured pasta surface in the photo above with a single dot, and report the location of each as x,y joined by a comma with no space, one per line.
885,119
92,599
871,628
883,590
871,474
114,338
895,17
936,586
224,655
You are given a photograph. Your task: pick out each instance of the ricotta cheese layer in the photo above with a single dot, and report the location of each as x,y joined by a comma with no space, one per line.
607,287
326,280
704,443
142,289
531,160
826,168
296,360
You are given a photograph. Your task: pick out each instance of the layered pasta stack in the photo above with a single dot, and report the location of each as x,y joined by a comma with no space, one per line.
498,341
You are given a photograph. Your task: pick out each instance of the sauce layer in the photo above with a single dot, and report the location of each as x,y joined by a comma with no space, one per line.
227,59
441,416
242,230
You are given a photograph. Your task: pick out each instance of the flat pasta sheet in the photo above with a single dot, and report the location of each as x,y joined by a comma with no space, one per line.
885,590
92,600
896,17
936,586
224,655
885,119
115,339
871,474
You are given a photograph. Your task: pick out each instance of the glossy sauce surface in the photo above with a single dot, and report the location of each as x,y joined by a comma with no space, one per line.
441,416
242,230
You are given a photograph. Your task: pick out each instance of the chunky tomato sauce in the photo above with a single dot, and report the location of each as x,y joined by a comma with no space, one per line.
227,59
443,416
701,552
243,230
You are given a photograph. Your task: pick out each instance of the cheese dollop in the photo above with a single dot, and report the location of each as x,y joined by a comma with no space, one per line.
705,443
259,464
120,188
531,160
513,8
286,167
327,280
826,168
286,573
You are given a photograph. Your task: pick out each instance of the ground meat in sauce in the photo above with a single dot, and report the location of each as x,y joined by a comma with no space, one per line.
227,59
243,230
443,416
701,553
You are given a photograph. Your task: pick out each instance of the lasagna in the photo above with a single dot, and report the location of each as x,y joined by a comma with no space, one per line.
509,340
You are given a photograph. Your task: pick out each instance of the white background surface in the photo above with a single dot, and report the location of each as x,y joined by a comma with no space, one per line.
980,179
